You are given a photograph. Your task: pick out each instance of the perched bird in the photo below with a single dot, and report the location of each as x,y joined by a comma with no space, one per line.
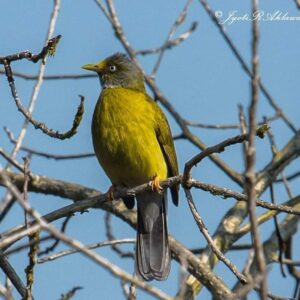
133,143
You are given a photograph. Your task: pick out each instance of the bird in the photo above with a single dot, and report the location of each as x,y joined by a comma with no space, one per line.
133,143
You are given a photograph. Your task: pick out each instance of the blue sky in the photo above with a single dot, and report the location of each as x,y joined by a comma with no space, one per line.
201,78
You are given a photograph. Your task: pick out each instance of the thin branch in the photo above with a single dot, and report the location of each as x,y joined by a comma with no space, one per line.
288,178
70,293
50,77
33,238
171,43
47,50
287,261
228,126
228,193
29,270
180,19
11,161
56,241
291,268
89,246
46,154
239,247
39,125
6,204
212,126
5,292
217,149
272,195
129,291
26,245
243,124
110,236
210,241
294,202
12,275
250,174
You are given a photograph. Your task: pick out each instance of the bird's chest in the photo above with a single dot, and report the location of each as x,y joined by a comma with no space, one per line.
118,128
124,140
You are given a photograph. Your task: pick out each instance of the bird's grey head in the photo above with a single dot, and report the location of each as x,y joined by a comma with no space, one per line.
118,71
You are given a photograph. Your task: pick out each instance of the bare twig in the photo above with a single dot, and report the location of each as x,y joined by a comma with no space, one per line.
228,193
5,291
45,154
239,247
267,216
29,270
291,268
12,275
70,293
243,125
250,175
51,77
5,206
287,261
180,19
56,241
47,50
289,178
11,161
217,149
90,246
280,240
171,43
272,194
33,238
208,238
228,126
26,245
110,236
213,126
39,125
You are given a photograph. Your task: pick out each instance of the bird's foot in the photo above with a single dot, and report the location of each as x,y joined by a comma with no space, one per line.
110,192
155,185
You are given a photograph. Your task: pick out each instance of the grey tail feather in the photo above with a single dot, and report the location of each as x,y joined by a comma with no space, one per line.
153,257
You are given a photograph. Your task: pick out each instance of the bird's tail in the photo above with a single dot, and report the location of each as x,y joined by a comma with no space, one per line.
153,257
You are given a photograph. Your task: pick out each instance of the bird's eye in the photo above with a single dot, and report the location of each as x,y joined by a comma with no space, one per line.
112,68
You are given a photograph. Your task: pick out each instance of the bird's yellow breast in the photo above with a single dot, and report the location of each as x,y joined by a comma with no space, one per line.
124,137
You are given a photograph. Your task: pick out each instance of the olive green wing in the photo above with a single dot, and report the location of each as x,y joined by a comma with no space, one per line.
164,137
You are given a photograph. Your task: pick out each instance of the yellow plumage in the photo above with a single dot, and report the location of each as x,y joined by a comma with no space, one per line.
124,123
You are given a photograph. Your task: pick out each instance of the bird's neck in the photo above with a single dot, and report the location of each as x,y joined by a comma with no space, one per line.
136,85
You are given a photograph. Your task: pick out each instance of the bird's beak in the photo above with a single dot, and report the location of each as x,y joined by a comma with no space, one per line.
91,67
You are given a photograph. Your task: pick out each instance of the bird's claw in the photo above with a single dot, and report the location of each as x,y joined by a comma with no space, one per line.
155,185
110,193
